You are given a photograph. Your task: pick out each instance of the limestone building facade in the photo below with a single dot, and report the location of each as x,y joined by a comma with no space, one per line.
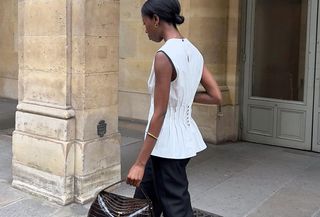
73,63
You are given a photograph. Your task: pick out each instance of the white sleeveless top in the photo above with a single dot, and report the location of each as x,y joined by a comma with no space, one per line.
179,137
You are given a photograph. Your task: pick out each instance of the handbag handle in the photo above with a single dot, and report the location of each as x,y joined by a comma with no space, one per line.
123,180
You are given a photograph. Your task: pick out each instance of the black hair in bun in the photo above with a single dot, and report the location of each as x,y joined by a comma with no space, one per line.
179,19
167,10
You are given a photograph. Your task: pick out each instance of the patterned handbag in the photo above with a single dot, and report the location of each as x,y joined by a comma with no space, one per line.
108,204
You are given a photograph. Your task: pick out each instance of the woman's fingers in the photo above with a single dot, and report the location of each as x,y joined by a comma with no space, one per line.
133,181
135,176
137,183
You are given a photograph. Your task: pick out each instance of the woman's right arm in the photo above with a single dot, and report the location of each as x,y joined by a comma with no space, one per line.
212,93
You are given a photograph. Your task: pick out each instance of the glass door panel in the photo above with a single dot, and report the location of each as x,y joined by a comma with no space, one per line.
279,49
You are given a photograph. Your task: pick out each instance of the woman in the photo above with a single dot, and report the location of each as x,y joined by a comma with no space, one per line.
172,137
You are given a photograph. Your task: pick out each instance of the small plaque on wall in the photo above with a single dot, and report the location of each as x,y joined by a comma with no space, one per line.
101,128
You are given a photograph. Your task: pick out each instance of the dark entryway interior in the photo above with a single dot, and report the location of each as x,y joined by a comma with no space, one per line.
7,113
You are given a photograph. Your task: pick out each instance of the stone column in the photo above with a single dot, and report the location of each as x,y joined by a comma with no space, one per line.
95,55
68,71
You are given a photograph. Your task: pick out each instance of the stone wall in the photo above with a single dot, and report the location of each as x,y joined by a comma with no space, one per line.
212,25
9,49
136,53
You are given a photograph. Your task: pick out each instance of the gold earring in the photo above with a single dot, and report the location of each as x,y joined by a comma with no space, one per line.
156,25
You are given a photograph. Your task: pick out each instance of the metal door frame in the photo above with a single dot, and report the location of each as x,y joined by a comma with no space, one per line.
316,109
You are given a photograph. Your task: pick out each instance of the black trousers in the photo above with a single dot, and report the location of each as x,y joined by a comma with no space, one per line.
166,184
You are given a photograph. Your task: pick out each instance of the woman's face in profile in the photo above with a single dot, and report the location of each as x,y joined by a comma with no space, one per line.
151,29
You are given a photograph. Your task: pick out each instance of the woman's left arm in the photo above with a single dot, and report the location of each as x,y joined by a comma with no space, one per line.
163,72
212,93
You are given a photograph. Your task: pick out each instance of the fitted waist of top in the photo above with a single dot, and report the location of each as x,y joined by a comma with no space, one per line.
179,114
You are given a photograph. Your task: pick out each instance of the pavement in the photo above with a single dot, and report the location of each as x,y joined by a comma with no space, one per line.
232,180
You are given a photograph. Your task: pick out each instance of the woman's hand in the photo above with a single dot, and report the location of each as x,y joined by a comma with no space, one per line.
135,175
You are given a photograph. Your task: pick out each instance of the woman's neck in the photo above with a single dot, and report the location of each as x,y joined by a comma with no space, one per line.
171,32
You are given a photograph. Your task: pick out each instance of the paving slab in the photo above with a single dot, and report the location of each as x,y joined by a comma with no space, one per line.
243,191
263,153
299,198
5,158
317,214
9,195
28,207
212,172
73,210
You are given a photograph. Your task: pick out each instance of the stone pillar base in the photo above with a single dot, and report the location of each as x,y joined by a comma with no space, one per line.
89,186
97,166
43,156
54,188
214,128
227,124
